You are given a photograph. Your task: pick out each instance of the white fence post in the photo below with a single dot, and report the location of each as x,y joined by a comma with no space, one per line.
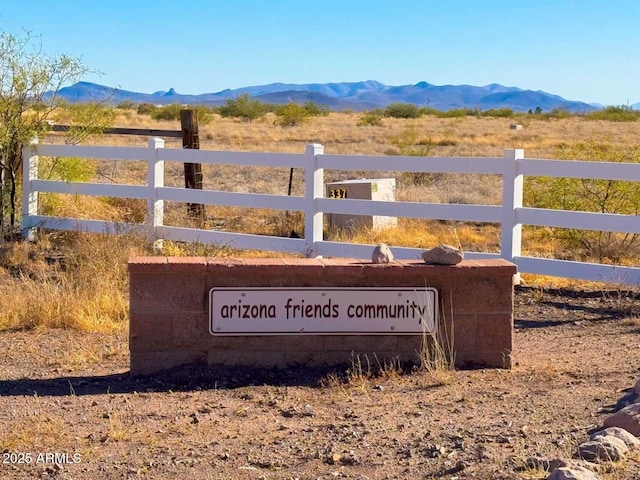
511,214
155,179
29,197
314,188
512,184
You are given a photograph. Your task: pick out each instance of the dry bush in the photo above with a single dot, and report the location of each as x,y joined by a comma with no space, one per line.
339,133
80,206
67,280
79,281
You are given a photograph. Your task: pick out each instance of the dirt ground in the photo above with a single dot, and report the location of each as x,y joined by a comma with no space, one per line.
68,409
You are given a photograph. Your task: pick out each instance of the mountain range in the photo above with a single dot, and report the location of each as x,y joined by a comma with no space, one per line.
357,96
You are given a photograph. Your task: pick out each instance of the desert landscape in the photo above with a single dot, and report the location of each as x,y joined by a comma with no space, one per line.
70,410
69,392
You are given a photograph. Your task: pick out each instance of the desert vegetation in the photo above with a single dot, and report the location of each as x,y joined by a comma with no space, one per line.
64,300
66,268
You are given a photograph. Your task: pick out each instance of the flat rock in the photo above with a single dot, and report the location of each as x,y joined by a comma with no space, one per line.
573,473
628,418
629,440
603,449
442,255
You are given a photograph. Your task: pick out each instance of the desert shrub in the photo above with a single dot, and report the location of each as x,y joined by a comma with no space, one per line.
291,114
316,110
557,113
146,108
614,114
167,112
498,113
203,114
402,110
126,105
172,113
605,196
409,142
84,120
68,280
371,119
66,169
243,107
429,111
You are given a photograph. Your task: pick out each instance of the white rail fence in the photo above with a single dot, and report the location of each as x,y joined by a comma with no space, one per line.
511,215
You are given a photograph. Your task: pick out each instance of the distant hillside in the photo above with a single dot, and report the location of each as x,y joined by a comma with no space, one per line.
300,97
356,96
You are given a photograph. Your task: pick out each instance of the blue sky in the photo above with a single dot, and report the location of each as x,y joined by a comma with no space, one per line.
586,50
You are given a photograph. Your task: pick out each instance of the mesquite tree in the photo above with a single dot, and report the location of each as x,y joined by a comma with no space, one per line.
29,85
590,195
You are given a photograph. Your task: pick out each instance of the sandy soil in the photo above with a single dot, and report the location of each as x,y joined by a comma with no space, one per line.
68,409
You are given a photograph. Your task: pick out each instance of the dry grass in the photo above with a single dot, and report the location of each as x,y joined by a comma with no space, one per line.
469,136
39,432
437,352
427,234
80,281
364,374
66,281
371,422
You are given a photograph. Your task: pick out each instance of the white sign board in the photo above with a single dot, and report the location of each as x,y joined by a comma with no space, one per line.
277,311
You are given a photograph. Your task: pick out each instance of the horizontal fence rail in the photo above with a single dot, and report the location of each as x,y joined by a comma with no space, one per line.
510,215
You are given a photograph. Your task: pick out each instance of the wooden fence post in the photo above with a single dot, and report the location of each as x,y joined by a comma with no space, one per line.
192,171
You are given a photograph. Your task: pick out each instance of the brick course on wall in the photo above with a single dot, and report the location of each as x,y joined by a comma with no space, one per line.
169,311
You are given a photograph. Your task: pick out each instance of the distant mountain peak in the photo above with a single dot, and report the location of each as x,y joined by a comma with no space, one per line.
357,96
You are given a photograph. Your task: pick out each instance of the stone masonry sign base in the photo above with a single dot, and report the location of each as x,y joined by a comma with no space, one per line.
170,317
